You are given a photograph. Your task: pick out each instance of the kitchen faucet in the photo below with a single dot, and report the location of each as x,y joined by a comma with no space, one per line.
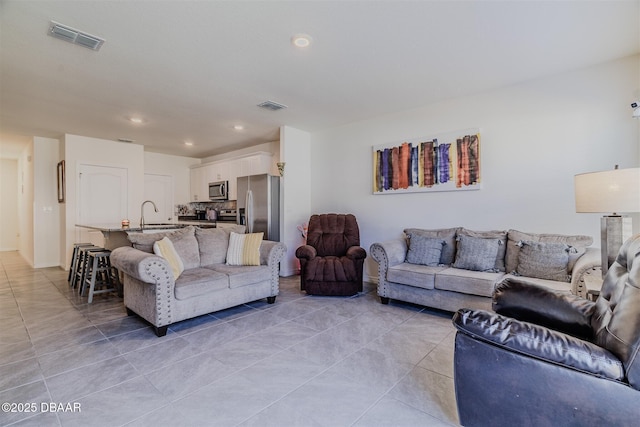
142,211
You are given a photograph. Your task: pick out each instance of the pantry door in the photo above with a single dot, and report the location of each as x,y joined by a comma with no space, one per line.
158,189
102,199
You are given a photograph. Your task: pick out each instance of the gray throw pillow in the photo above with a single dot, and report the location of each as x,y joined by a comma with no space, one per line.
578,242
213,244
543,260
446,234
493,234
186,246
424,250
476,253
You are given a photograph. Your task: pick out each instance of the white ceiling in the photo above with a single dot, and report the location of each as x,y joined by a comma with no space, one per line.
193,69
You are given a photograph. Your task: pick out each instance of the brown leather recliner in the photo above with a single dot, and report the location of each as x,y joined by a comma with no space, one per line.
550,358
331,262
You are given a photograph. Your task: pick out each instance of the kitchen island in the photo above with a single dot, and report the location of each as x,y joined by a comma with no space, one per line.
115,235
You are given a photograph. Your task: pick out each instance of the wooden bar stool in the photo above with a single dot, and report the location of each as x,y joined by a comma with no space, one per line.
99,275
81,259
73,266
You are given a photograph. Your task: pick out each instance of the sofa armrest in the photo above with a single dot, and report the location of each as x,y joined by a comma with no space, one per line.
529,302
306,252
388,254
271,253
141,265
589,260
356,253
391,252
538,342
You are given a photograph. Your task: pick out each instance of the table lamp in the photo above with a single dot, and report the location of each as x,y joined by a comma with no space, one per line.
612,192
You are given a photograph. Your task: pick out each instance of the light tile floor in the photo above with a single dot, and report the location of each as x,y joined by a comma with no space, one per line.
303,361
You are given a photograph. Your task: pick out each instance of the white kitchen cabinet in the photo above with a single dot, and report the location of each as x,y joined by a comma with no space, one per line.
199,184
227,170
254,164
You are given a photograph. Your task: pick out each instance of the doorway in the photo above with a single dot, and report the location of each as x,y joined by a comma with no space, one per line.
102,199
159,189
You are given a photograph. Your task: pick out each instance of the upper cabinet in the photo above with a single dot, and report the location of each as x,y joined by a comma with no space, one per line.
199,184
227,170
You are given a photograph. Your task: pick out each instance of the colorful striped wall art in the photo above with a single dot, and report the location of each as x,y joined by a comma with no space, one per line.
447,162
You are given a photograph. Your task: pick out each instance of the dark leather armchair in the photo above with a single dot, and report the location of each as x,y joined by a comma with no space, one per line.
332,260
546,358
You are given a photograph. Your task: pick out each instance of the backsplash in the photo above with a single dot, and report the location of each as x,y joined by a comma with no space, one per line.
191,208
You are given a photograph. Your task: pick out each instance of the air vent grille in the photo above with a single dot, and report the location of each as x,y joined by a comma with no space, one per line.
74,36
272,106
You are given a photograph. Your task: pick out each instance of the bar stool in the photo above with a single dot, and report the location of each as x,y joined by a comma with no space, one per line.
99,274
73,266
85,266
81,265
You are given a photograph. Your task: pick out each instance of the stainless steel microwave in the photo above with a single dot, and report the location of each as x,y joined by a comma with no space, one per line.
219,190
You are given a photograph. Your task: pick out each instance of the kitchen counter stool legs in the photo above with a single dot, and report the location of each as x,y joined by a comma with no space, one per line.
77,263
73,266
100,276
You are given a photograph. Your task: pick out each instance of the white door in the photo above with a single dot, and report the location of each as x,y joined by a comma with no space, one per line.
158,189
102,199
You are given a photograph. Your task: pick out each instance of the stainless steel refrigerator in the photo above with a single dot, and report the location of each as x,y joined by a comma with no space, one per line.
258,205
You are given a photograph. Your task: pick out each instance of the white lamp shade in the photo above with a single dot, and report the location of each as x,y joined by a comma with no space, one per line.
614,191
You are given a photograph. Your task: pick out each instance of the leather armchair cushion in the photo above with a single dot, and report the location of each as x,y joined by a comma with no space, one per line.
528,302
539,342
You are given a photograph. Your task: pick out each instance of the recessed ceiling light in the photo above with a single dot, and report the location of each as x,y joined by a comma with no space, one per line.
136,120
301,40
188,143
238,127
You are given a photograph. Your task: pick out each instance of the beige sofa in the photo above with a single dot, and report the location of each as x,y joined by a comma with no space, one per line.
207,283
451,268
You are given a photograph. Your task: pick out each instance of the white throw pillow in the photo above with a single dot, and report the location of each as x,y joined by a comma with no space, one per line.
165,249
244,249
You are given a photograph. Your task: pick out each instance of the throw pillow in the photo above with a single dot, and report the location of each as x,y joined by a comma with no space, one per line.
186,246
476,253
244,249
164,248
213,244
578,242
447,234
145,241
493,234
543,260
424,250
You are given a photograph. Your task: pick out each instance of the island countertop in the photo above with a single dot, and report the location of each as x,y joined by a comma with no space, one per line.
107,228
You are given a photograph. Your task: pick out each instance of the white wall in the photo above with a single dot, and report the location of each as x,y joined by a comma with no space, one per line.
295,199
535,137
177,167
99,152
9,206
25,203
46,210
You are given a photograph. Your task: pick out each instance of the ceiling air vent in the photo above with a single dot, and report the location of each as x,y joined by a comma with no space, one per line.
74,36
270,105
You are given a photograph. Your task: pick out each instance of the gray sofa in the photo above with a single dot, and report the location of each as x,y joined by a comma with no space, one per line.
207,283
457,268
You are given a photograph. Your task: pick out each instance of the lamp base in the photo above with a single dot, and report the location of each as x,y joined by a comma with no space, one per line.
614,230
